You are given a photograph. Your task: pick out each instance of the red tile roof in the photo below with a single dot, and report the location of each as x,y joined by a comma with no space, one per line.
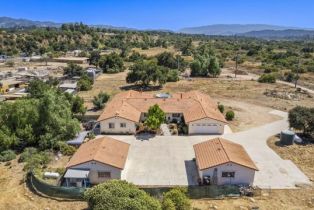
105,150
220,151
130,104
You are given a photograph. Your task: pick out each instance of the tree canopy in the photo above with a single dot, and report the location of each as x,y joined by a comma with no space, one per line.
41,120
146,72
155,117
119,195
73,69
302,118
111,63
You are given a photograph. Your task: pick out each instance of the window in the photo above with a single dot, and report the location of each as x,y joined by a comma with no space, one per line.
228,174
145,114
176,115
123,125
111,125
103,174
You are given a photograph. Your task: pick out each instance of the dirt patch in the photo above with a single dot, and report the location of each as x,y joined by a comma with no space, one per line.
239,90
15,195
246,114
154,51
300,154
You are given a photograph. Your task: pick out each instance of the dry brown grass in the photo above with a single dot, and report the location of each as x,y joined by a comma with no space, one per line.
154,51
15,195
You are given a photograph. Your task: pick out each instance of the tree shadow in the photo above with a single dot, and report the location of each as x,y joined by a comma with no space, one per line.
144,136
140,88
191,172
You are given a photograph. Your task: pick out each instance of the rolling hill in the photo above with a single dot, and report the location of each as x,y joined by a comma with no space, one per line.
231,29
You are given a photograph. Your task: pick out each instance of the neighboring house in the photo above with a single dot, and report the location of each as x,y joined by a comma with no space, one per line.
69,87
197,110
224,162
96,161
11,84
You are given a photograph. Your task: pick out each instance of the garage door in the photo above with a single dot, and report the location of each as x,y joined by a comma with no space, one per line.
204,128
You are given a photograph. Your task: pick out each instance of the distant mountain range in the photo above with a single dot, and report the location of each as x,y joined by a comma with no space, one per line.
247,30
231,29
7,22
251,30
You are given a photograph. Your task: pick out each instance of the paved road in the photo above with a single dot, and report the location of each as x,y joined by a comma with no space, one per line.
168,160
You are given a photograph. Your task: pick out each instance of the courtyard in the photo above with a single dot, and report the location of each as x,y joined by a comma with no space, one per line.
168,160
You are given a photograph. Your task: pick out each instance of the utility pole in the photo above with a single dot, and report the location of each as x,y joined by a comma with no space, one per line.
178,60
236,67
297,76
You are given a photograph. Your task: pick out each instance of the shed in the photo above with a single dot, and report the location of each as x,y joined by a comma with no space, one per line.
79,139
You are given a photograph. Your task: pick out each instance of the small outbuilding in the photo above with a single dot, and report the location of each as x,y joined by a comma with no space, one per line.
222,162
96,161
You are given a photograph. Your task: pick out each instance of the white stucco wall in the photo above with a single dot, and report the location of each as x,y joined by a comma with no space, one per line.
129,129
205,126
96,167
243,175
169,117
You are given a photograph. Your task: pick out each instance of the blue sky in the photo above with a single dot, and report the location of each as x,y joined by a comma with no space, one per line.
163,14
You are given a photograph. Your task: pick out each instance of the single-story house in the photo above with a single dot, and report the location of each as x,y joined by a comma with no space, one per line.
69,86
96,161
197,110
222,162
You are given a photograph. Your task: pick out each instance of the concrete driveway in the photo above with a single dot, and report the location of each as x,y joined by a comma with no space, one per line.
168,160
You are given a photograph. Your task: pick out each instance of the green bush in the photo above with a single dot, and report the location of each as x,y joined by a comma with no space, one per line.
178,198
85,83
7,155
267,78
27,154
221,108
34,159
230,115
119,195
66,149
100,100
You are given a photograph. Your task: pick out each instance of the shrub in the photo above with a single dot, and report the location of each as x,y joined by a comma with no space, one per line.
167,204
178,198
100,100
85,83
230,115
7,155
119,195
267,78
221,108
27,154
302,118
173,76
34,159
66,149
10,63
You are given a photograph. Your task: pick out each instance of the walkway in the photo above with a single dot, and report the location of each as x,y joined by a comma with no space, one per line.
165,130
